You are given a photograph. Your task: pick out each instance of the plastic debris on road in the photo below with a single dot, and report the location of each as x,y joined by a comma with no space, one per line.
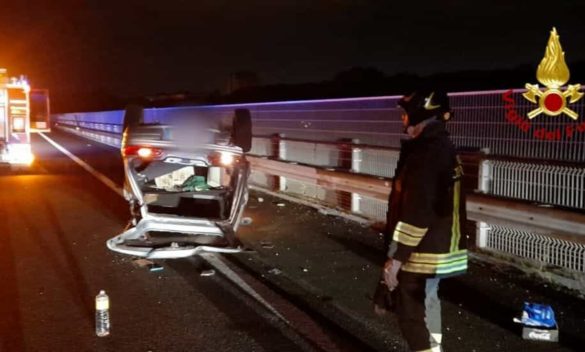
537,315
280,204
538,323
266,244
208,272
327,211
246,221
155,267
260,199
275,271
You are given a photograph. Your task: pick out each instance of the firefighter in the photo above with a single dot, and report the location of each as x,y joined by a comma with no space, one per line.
424,219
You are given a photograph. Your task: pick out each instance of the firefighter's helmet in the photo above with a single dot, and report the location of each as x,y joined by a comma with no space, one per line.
425,104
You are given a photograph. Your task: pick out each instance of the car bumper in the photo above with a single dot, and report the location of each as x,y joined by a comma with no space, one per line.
135,241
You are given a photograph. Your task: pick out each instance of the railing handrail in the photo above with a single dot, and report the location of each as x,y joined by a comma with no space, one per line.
482,155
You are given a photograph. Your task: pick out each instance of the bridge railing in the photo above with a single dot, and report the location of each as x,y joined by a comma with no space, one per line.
322,147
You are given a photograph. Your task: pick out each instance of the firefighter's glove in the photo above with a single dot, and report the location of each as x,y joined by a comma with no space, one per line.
391,268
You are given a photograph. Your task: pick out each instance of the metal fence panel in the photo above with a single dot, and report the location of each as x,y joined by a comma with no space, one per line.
545,250
479,122
541,183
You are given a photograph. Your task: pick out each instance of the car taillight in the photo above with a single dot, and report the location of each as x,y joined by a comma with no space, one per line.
144,152
223,159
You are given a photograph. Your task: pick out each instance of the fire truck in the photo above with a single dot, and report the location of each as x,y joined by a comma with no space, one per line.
15,143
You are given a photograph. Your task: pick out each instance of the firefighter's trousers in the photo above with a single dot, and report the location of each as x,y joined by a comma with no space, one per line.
419,311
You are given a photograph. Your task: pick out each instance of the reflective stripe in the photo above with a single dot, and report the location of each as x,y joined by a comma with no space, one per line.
438,268
407,234
432,258
411,229
455,227
446,265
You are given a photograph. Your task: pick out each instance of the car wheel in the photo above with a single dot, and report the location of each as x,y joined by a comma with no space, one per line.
133,115
242,129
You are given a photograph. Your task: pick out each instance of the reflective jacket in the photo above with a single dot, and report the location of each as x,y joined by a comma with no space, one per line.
424,208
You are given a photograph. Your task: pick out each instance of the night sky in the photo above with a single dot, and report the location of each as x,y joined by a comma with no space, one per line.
141,47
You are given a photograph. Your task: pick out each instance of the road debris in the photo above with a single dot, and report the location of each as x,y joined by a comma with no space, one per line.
208,272
266,244
142,263
275,271
246,221
155,267
260,199
326,211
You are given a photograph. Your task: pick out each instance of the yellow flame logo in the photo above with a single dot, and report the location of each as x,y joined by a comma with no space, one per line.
553,73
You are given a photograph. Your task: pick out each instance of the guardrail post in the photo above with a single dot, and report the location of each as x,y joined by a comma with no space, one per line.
355,203
484,177
344,156
278,152
274,146
482,234
282,156
281,147
356,157
345,161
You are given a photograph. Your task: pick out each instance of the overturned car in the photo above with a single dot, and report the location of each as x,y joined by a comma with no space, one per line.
186,180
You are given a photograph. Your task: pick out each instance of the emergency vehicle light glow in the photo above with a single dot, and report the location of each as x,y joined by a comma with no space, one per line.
18,124
21,154
17,109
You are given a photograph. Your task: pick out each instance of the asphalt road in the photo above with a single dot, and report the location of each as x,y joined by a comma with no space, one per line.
54,221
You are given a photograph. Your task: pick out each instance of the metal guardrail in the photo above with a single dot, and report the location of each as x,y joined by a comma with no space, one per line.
314,133
481,207
323,147
559,223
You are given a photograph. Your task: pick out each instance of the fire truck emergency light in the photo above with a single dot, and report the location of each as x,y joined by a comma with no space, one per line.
18,124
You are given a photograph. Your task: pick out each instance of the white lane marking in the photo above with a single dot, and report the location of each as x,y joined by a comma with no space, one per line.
103,178
216,261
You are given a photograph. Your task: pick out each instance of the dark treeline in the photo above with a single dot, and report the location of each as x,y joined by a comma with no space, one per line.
354,82
361,82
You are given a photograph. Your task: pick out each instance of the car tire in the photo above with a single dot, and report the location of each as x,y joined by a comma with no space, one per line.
133,115
242,129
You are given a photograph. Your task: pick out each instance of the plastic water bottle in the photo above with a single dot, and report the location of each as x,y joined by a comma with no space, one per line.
102,314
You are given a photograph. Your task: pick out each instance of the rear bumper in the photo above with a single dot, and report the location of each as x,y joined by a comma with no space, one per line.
168,252
135,241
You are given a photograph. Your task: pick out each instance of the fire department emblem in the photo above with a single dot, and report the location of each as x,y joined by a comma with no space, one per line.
553,73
